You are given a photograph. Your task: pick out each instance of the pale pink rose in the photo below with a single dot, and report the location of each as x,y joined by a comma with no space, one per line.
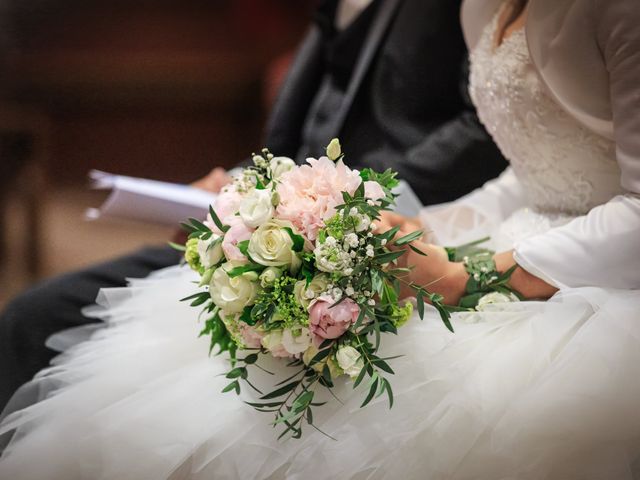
279,352
251,337
373,190
236,234
330,323
309,193
226,206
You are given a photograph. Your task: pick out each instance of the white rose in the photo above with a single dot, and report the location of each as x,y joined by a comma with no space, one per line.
210,251
350,361
272,340
493,298
256,208
311,352
269,276
306,293
280,165
233,294
296,343
271,245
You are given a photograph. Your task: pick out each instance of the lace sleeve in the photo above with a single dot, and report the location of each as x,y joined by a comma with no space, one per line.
602,248
475,214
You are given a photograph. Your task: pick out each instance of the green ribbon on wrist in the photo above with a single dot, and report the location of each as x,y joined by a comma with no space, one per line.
484,278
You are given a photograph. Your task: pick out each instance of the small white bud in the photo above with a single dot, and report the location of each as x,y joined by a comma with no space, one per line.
334,150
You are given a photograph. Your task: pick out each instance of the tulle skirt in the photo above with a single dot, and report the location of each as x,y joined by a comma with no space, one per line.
529,390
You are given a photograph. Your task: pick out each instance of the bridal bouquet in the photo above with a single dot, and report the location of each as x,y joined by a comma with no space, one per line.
292,266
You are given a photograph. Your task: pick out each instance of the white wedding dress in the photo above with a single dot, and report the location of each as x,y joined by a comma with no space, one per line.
528,390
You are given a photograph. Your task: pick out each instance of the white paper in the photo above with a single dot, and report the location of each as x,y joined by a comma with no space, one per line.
169,204
148,201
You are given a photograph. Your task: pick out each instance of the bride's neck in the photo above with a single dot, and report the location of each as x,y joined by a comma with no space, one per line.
512,18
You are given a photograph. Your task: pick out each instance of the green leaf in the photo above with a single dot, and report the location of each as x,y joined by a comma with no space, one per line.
237,271
189,228
250,359
326,375
372,392
360,378
298,240
236,372
382,365
302,402
387,257
264,405
243,246
376,282
387,386
418,251
309,417
200,300
235,385
361,317
246,316
176,246
195,295
216,220
389,234
320,356
201,227
420,304
280,391
409,238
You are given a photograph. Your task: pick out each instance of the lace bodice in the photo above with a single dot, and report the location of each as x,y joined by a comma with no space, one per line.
563,167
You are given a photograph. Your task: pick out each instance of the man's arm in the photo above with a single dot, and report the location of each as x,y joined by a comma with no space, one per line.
454,158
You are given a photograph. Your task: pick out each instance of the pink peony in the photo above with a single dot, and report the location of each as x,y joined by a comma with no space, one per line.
373,190
226,206
309,194
237,233
250,336
326,322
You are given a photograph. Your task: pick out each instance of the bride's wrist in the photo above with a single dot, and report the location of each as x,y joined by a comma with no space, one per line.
454,283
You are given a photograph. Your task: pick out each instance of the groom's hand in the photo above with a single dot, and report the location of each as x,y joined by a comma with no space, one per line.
213,181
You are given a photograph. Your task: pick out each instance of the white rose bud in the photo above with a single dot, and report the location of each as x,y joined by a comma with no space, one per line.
256,208
280,165
334,150
306,293
232,294
296,343
271,245
493,298
311,352
272,340
210,251
350,361
269,276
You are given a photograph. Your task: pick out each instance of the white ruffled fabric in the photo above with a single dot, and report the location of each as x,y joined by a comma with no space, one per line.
529,390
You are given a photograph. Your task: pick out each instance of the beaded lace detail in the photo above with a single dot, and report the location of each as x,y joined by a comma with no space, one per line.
564,167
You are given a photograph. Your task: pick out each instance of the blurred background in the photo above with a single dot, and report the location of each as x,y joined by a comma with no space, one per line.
163,89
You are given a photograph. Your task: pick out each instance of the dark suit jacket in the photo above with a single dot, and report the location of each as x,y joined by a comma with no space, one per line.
407,105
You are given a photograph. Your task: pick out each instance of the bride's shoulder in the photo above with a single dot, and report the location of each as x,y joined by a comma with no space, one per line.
574,46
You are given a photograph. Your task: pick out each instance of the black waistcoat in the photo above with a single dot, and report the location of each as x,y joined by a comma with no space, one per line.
341,50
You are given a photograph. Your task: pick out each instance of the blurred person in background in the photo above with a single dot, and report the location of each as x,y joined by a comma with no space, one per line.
386,76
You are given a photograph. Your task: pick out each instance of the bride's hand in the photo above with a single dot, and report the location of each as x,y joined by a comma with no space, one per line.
389,220
434,272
